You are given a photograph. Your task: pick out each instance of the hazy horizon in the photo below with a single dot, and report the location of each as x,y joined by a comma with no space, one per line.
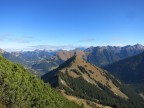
58,48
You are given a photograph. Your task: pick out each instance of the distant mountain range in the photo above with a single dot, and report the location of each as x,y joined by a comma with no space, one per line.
44,61
91,86
75,75
105,55
29,57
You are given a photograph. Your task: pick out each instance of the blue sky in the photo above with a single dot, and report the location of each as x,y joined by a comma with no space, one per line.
54,24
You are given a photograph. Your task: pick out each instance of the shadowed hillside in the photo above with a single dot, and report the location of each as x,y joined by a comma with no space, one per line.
130,70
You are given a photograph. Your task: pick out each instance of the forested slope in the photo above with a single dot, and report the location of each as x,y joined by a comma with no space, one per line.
20,89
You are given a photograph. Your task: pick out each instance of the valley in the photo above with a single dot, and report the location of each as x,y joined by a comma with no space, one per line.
73,75
44,60
71,53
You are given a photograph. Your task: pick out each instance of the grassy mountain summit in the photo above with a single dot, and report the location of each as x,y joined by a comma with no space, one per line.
79,80
53,62
20,89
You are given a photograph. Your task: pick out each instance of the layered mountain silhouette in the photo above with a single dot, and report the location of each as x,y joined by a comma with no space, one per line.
98,56
44,61
91,86
105,55
79,81
129,70
20,89
28,58
54,61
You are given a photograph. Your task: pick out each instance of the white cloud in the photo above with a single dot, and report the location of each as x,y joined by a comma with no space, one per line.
54,47
16,39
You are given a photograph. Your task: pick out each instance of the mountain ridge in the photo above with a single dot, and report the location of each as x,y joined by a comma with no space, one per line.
43,61
78,78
